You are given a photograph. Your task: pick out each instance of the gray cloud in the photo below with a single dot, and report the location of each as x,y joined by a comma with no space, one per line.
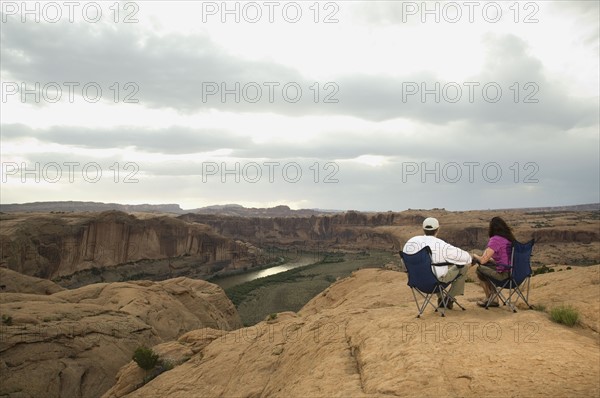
557,136
174,72
172,140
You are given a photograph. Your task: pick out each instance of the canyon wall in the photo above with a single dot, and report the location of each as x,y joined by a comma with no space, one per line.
54,245
58,245
351,230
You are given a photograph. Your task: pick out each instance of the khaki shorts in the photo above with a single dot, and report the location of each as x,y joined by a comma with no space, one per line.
490,271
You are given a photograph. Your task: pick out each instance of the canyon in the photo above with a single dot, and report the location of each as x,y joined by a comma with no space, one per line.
63,335
78,248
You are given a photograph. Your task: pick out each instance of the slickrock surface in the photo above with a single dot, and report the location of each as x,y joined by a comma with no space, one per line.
72,343
360,338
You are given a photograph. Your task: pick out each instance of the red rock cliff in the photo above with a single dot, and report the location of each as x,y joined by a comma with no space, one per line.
53,245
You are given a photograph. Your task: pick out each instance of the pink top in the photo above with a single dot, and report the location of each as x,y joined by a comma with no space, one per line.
502,248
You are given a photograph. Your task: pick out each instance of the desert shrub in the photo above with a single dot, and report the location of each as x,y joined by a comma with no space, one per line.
333,258
272,316
7,320
564,314
542,270
469,280
145,357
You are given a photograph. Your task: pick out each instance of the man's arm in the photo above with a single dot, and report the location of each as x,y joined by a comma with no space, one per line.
455,255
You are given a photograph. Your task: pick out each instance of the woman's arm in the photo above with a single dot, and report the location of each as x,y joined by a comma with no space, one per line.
487,255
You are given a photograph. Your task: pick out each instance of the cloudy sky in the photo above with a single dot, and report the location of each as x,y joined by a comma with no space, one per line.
336,105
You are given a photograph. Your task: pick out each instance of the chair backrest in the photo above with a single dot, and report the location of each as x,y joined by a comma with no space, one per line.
521,260
418,266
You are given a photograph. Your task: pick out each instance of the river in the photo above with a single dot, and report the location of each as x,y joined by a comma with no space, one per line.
238,279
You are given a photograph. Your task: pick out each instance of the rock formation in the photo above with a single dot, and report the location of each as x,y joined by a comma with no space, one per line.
561,238
54,245
14,282
360,338
69,206
131,376
349,229
72,343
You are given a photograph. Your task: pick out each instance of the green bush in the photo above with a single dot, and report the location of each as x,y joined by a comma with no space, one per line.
564,314
542,270
145,357
7,320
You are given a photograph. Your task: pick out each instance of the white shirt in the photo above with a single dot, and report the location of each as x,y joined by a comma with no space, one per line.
441,251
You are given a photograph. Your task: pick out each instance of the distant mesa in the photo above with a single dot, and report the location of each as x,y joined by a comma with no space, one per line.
231,209
227,209
75,206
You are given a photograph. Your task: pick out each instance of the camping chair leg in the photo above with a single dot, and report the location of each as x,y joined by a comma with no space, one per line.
450,298
442,306
508,301
496,293
519,293
426,300
527,298
417,303
511,291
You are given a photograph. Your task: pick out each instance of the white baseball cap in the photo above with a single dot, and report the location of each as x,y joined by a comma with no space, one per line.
431,224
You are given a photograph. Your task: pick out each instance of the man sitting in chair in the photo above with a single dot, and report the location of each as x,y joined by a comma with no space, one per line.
442,252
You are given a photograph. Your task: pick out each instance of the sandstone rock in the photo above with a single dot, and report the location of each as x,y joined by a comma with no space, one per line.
73,343
561,237
61,245
15,282
360,338
349,228
131,376
54,245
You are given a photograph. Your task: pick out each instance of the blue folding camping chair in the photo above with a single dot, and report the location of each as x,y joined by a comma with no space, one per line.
519,273
422,280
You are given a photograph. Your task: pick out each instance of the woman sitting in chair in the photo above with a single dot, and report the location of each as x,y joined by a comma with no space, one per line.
497,255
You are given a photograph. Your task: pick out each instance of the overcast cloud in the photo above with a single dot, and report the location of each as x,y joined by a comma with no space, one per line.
378,110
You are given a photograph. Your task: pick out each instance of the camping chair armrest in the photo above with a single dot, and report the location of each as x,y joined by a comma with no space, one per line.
447,264
507,268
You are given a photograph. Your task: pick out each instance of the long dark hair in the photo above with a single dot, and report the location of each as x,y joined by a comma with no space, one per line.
499,227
